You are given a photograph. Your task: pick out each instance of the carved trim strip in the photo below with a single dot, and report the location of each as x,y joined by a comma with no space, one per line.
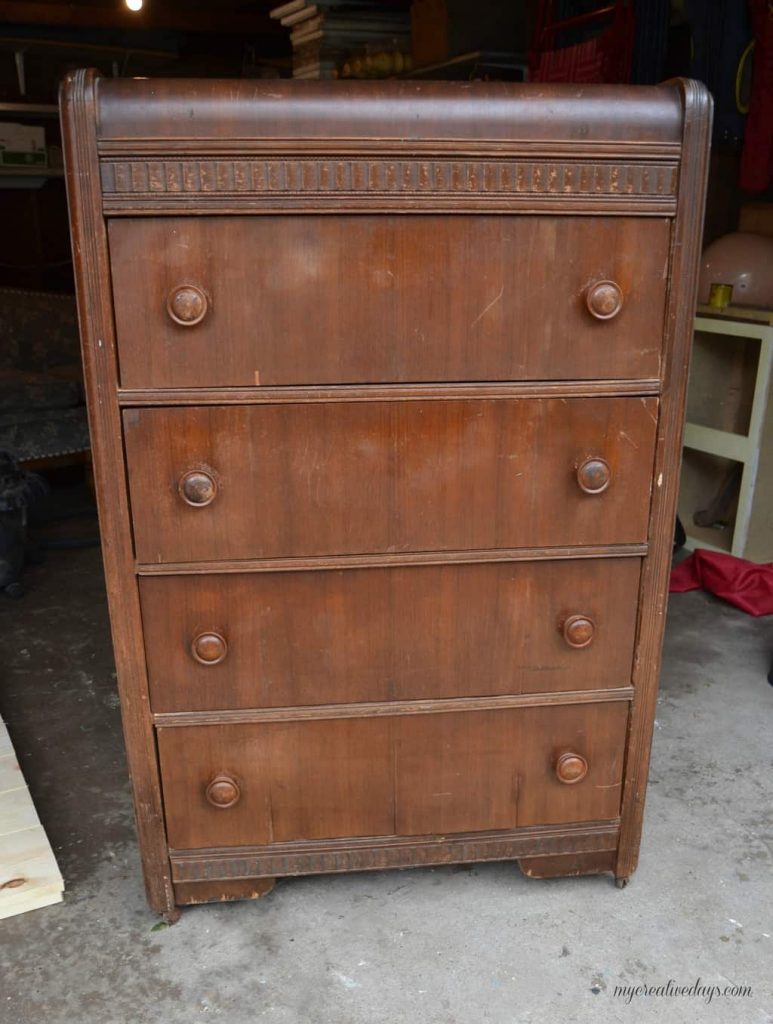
382,709
328,856
335,177
363,176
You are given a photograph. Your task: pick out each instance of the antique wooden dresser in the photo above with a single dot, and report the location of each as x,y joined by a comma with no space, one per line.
386,388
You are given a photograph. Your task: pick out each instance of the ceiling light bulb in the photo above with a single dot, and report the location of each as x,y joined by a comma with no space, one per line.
134,5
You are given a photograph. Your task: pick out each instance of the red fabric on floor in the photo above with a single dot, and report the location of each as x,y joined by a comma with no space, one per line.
747,585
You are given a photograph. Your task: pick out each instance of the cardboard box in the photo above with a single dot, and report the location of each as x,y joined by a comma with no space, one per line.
757,218
22,145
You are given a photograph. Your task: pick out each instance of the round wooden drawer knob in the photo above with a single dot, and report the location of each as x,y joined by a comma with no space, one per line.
579,631
604,300
223,792
187,305
209,648
197,488
594,475
571,768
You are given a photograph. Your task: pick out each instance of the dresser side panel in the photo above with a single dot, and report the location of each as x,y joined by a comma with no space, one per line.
680,311
92,276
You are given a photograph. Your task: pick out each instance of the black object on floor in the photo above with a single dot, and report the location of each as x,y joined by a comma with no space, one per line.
19,491
67,502
680,535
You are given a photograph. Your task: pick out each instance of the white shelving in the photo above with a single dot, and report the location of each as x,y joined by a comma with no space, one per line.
736,322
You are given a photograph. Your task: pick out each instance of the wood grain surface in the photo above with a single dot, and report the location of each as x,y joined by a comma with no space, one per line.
339,636
95,315
373,477
386,384
326,300
405,776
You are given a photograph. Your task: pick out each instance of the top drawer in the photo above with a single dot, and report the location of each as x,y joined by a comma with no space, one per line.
270,300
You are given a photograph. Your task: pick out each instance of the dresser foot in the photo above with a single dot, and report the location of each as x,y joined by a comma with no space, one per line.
172,916
620,883
190,893
568,864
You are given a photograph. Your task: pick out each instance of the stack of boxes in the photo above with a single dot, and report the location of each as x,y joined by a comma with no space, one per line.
352,39
22,145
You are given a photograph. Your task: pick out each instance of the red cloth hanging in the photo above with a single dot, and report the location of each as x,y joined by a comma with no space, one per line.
606,56
757,155
747,585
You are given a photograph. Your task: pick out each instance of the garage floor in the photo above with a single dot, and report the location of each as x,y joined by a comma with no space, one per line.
449,945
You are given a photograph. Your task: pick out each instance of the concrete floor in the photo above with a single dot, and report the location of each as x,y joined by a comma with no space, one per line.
449,945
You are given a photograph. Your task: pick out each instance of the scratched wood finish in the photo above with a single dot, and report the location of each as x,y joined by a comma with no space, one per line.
342,636
373,530
370,288
566,864
151,115
403,776
254,148
193,893
390,708
373,477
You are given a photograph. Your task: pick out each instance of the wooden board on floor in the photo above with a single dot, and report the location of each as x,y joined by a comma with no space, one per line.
29,875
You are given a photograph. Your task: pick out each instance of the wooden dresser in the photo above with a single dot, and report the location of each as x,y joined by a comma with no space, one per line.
386,387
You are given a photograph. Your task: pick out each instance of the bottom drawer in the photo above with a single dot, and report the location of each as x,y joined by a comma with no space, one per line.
418,774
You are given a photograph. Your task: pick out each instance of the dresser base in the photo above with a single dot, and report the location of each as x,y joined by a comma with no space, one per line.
549,851
563,865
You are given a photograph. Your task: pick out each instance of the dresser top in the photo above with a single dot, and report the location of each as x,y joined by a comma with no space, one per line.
178,109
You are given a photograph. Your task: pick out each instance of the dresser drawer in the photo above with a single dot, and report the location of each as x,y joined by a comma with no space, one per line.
356,477
229,301
336,637
412,775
